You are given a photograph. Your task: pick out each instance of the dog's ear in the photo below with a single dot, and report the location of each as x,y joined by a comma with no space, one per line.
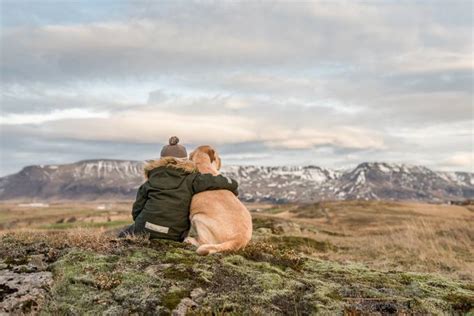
211,153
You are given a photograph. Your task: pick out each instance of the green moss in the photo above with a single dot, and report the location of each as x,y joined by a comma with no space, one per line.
83,261
303,244
182,256
426,293
264,251
84,278
266,278
143,256
271,281
462,301
172,299
203,273
136,279
178,273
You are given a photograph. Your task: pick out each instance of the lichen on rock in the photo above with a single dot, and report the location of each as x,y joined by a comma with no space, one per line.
23,293
123,277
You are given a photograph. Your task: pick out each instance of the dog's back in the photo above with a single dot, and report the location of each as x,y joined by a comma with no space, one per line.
222,222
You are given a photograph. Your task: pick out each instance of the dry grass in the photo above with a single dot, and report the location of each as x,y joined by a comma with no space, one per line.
13,216
382,235
422,245
98,240
390,235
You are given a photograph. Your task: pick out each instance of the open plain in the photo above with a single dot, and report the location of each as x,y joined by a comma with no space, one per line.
351,257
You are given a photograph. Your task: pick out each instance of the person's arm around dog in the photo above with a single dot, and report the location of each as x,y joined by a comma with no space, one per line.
206,181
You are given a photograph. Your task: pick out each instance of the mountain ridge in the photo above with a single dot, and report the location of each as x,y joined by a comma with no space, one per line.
118,179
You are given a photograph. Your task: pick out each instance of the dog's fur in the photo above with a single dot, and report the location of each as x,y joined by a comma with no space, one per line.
221,221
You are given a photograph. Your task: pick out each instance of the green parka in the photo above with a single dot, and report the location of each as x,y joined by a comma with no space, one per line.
163,201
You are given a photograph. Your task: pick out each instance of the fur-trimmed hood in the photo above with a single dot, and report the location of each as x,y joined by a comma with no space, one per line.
177,163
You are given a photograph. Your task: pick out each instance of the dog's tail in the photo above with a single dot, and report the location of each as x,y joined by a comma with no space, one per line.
208,249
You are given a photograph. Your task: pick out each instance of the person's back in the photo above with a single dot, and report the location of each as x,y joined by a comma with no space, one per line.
163,201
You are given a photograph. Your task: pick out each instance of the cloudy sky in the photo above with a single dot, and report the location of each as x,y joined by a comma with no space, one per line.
326,83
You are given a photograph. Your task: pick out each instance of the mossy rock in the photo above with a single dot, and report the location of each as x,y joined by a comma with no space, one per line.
153,278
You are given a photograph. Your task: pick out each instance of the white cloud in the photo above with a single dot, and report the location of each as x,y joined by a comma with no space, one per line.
236,104
230,36
461,160
148,125
245,157
57,115
386,80
343,137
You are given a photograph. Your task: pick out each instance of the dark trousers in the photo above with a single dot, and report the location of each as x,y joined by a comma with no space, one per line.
127,231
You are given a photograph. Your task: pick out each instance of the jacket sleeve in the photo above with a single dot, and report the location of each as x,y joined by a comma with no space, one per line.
140,201
204,182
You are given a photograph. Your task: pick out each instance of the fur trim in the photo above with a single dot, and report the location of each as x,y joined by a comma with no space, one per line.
183,164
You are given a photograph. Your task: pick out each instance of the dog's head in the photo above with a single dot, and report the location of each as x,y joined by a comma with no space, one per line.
204,154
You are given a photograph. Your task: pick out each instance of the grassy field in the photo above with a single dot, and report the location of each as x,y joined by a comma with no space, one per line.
57,216
352,257
384,235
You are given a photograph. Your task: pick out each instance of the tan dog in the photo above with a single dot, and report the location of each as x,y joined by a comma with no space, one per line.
221,221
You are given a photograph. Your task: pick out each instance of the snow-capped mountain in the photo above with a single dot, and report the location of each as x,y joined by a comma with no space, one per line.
402,182
281,184
89,179
115,179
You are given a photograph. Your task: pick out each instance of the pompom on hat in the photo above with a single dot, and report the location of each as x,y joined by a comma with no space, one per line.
174,149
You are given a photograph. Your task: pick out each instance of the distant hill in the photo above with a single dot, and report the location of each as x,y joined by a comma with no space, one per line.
118,179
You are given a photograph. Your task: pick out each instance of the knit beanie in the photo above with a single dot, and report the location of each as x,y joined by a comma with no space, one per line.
174,149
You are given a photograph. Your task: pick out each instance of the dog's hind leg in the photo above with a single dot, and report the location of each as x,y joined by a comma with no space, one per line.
204,233
208,249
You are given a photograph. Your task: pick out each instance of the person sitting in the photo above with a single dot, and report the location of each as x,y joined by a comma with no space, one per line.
161,208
